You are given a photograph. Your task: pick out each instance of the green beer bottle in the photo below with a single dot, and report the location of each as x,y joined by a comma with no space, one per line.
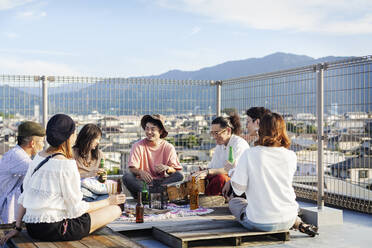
231,155
102,166
145,194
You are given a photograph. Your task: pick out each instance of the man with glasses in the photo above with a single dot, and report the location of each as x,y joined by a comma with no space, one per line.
14,165
152,160
225,131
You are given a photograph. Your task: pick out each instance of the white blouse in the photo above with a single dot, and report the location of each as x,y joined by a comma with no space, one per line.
53,192
221,152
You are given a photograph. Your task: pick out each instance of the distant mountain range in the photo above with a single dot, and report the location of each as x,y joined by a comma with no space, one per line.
167,98
246,67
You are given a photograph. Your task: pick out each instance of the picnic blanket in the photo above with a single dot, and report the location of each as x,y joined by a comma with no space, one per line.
173,211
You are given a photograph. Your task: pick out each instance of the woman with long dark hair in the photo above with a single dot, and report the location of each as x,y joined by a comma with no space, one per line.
88,157
225,131
86,150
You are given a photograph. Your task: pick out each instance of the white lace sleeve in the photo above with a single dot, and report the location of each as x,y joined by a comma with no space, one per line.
239,180
71,192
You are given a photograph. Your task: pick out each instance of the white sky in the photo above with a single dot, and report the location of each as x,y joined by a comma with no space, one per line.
122,38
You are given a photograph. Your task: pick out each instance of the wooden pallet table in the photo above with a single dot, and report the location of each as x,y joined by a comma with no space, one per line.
214,232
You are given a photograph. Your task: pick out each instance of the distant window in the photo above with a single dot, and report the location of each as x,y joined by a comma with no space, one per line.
363,174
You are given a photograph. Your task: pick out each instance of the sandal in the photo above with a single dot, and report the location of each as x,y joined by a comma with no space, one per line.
309,229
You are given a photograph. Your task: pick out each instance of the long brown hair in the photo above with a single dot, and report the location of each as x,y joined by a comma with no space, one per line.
272,131
84,141
65,148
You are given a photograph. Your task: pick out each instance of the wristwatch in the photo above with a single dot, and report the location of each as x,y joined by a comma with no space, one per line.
19,229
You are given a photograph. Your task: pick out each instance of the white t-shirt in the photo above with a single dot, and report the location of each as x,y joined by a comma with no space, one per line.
221,152
53,192
265,175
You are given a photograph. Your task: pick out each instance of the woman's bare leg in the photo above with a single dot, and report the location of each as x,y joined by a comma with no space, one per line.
103,216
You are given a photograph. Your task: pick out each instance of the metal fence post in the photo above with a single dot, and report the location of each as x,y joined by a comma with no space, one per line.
320,111
45,100
218,99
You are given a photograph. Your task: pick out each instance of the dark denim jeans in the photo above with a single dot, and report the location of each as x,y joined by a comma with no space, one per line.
134,184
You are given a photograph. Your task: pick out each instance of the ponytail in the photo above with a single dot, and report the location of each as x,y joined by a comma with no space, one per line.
233,122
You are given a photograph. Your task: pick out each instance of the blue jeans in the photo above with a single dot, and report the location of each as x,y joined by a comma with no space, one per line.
252,226
134,184
89,196
238,206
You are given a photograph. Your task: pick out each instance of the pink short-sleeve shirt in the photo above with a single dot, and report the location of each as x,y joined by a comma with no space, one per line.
145,157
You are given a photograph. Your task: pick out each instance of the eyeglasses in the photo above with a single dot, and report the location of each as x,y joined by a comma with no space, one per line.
216,133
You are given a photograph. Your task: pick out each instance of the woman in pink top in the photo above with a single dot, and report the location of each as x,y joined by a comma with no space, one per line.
152,159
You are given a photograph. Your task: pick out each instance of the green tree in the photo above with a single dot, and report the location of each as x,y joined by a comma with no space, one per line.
311,129
291,127
6,115
170,140
188,141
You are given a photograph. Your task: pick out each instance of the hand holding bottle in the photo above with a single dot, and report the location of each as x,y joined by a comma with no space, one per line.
117,199
228,166
102,174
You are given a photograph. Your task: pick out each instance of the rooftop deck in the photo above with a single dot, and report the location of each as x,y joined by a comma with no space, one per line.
355,232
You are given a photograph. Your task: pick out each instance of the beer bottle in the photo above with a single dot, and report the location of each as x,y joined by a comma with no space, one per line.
231,155
119,192
139,209
102,166
145,194
194,195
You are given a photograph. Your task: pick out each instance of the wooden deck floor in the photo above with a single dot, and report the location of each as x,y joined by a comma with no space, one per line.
103,237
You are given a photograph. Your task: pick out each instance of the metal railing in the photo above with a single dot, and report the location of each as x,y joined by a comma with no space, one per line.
117,104
334,96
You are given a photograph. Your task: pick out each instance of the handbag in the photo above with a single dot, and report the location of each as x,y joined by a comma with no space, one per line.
93,185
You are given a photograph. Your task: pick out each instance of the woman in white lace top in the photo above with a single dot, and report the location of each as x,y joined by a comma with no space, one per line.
51,204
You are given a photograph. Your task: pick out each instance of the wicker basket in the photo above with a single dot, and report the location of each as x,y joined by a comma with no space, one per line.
177,192
181,190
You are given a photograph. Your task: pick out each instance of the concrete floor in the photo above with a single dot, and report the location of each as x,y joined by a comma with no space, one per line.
355,232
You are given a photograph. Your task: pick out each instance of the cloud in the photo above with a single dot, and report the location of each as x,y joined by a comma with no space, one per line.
10,4
38,52
195,30
11,35
332,16
30,14
35,67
